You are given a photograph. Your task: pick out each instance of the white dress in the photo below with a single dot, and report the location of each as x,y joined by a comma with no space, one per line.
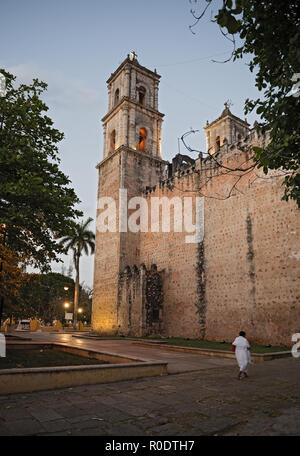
242,353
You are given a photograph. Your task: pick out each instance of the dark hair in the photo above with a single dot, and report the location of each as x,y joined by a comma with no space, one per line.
242,333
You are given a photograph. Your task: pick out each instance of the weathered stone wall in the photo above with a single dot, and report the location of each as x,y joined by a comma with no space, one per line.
107,251
138,171
140,301
128,170
170,252
252,269
245,273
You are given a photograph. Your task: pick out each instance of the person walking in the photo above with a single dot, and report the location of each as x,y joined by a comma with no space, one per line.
241,347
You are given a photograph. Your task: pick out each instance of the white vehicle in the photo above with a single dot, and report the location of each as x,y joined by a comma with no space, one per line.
23,325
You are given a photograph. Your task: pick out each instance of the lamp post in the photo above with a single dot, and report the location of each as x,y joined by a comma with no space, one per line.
80,311
66,306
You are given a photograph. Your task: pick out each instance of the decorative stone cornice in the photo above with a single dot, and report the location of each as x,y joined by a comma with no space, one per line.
227,113
130,100
132,151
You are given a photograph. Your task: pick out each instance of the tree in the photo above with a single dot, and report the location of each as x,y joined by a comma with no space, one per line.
41,296
80,240
52,296
36,203
270,34
12,278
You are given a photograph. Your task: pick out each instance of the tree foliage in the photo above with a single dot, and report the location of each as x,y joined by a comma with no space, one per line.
80,239
269,31
36,203
43,296
12,276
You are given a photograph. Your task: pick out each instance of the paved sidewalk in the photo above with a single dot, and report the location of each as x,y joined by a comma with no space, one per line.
209,401
177,361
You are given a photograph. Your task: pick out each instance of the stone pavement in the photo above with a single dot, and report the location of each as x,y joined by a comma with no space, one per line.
177,361
206,401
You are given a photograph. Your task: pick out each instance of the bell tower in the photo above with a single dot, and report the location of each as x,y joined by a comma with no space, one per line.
133,120
226,129
131,161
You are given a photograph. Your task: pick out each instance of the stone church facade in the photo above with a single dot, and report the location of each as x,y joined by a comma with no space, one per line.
241,272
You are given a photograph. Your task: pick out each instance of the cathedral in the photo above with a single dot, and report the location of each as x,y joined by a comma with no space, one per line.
200,247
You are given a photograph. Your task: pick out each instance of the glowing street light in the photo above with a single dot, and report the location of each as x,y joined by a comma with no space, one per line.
66,305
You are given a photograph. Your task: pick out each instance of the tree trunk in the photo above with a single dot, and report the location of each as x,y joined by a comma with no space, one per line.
1,309
1,269
76,294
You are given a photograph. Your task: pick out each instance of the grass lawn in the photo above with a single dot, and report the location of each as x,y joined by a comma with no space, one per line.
45,358
196,343
221,346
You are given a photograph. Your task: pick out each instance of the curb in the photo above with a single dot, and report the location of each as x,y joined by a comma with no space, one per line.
256,357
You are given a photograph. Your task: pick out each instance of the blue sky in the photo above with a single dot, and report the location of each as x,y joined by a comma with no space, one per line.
74,46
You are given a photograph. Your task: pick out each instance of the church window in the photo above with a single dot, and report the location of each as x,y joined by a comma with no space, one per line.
117,96
142,139
218,143
142,95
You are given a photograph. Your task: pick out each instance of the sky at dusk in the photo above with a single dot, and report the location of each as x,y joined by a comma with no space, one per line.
74,46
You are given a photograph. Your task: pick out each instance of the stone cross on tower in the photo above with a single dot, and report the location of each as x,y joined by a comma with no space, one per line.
227,104
133,55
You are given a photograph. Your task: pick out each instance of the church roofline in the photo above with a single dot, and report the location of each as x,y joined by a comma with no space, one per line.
227,113
131,62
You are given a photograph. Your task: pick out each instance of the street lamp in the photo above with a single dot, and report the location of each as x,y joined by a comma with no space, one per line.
66,306
80,310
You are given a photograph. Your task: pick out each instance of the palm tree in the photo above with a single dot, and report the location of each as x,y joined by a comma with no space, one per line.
81,240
